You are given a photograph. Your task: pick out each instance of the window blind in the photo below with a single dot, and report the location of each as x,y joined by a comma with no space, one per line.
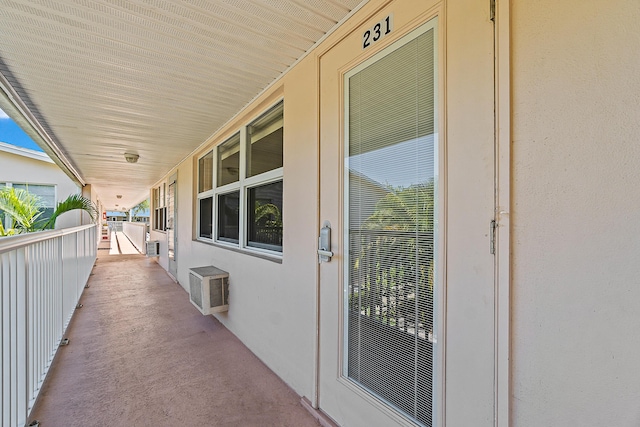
390,193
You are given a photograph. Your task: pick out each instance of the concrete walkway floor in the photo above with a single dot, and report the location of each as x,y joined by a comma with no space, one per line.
141,355
121,245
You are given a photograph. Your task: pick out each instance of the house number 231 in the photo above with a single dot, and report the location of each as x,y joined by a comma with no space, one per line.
378,31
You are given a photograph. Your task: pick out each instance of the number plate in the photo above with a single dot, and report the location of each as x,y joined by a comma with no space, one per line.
377,32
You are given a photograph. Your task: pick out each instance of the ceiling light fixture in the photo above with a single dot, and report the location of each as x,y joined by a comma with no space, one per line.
131,157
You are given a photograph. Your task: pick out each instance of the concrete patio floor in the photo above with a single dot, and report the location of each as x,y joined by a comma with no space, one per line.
141,355
119,244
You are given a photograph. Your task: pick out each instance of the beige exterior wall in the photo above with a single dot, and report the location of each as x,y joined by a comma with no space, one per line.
575,236
272,304
20,169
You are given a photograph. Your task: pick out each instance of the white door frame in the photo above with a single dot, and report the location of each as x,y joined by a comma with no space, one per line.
173,180
502,49
502,41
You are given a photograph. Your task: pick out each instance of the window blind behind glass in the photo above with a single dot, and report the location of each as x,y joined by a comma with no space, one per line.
390,160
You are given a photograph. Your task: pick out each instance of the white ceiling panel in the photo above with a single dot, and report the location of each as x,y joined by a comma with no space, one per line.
148,76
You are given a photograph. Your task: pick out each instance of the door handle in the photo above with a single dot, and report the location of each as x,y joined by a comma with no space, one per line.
324,243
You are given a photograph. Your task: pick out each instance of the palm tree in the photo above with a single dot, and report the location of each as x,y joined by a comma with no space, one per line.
25,209
268,223
404,209
21,207
140,207
393,258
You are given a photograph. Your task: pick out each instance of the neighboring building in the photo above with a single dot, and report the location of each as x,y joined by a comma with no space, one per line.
142,216
35,172
116,216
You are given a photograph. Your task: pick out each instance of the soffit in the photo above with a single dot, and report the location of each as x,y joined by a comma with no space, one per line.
153,77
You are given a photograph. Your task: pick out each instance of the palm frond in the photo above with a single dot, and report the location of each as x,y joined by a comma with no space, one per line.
73,202
22,207
5,233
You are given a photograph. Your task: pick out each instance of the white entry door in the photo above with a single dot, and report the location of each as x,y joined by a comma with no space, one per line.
172,218
407,186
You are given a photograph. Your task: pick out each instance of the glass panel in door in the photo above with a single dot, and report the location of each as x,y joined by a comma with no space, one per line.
390,186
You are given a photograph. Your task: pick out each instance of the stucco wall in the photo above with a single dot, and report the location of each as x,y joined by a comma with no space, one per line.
272,304
575,212
575,227
20,169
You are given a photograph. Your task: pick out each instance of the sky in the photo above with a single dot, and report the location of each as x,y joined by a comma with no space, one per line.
398,165
11,133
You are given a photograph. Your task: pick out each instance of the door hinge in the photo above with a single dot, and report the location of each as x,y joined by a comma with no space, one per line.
492,237
492,10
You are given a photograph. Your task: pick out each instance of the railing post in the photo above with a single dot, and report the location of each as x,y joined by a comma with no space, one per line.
21,326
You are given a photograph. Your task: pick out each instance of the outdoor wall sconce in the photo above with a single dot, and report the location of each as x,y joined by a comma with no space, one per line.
131,157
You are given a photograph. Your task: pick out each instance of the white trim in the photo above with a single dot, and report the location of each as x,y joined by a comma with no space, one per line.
227,188
204,195
161,204
503,204
242,186
11,243
25,152
244,147
264,178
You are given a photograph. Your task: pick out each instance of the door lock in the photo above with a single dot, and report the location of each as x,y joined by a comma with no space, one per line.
324,243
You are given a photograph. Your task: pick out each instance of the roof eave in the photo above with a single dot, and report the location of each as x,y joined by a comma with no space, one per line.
15,108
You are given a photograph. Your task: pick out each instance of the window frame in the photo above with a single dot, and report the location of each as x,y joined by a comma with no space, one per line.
205,194
159,208
259,245
42,209
221,239
243,186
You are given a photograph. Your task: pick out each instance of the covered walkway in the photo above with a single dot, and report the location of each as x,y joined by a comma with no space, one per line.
119,244
140,355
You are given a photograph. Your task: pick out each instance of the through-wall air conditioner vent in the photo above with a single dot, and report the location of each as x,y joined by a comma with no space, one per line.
209,289
153,248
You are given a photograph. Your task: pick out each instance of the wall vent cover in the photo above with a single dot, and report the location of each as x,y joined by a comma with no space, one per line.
209,289
153,248
195,290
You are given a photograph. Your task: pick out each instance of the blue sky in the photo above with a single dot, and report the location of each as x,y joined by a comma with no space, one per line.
11,133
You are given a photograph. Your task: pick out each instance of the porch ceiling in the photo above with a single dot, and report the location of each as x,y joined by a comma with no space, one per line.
99,78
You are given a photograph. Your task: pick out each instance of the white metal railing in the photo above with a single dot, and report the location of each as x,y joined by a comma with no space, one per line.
42,276
115,225
137,233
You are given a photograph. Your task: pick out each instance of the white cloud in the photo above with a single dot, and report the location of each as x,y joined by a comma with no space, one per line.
3,115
